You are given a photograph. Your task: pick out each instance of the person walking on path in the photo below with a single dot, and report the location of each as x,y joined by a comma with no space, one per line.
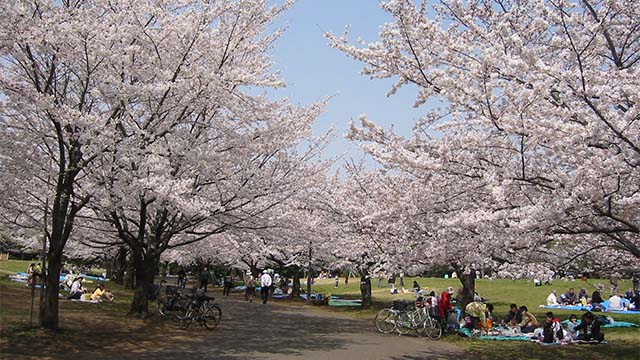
204,279
265,285
250,284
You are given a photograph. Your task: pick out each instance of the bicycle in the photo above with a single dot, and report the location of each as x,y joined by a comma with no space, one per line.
201,310
423,320
172,303
401,319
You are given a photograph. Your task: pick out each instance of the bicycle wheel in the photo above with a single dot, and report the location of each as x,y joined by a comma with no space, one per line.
212,317
386,321
433,328
404,323
187,319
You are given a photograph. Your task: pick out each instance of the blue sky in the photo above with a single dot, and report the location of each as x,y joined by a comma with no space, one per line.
314,71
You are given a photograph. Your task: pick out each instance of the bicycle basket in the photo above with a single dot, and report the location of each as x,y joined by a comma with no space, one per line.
198,297
401,304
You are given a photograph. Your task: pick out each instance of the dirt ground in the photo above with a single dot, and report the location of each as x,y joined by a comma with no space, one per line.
247,331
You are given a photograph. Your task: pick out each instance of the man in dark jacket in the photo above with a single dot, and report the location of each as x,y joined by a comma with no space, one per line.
589,328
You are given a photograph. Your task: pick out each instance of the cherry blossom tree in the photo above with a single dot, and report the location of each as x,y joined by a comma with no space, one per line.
144,108
537,133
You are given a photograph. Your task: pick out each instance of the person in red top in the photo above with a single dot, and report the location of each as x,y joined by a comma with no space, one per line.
444,305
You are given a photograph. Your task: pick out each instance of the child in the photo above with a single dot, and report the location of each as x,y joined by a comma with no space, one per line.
571,327
552,330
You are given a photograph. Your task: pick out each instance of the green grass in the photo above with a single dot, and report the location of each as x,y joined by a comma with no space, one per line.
11,267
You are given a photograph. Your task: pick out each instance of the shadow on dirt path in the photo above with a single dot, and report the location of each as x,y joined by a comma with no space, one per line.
278,331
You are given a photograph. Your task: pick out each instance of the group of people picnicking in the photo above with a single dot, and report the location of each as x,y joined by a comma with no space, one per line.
77,291
630,300
520,320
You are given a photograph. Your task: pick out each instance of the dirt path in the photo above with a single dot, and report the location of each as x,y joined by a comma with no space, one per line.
278,331
247,331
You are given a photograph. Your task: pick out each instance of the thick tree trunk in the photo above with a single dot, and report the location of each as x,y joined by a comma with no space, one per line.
468,282
145,272
49,308
365,290
295,289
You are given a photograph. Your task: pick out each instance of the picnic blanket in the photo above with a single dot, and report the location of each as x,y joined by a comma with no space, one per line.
615,324
567,307
335,301
504,337
313,296
577,342
605,304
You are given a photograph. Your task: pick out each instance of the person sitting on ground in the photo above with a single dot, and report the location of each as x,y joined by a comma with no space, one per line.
551,329
477,297
416,286
590,328
30,271
529,322
37,273
552,299
570,297
615,302
393,289
596,297
513,317
478,312
572,333
583,297
629,294
76,289
101,293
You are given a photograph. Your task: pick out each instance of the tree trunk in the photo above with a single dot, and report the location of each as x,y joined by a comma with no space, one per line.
468,282
309,278
49,307
145,272
365,290
120,265
295,289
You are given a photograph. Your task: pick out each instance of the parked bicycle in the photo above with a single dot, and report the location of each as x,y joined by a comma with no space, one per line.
171,302
404,320
202,310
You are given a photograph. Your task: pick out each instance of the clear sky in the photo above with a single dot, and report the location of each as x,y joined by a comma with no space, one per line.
314,71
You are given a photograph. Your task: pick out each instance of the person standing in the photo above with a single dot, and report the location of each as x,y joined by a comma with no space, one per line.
204,278
265,285
614,284
401,279
182,278
250,286
228,283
